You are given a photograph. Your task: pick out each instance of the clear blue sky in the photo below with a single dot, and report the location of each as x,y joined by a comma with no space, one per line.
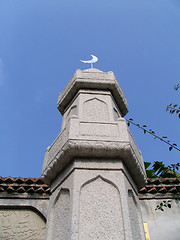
41,44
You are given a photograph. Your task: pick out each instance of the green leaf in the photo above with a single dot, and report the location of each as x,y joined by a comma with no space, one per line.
170,149
151,173
147,164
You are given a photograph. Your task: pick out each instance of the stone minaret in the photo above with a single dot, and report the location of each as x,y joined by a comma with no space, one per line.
94,167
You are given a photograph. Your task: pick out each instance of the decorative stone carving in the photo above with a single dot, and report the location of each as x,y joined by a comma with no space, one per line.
100,211
21,225
104,140
95,110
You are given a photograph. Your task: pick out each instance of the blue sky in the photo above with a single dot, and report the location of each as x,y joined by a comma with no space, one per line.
41,44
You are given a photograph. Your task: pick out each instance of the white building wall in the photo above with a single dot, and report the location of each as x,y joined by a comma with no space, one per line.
163,225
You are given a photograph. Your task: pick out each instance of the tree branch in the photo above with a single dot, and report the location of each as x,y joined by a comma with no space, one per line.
174,145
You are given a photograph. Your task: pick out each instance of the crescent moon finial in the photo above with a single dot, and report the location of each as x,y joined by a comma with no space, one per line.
93,60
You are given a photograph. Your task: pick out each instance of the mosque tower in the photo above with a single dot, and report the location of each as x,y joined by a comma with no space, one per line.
94,167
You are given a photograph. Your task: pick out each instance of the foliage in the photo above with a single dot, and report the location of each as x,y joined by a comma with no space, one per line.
159,169
173,109
163,204
176,87
167,203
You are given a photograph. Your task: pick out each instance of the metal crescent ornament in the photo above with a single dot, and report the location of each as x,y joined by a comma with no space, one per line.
93,60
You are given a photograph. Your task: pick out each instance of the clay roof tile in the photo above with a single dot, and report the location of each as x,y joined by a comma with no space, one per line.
163,190
36,185
173,190
152,190
143,190
20,190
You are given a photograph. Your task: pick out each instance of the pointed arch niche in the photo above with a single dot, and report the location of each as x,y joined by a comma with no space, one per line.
100,211
95,110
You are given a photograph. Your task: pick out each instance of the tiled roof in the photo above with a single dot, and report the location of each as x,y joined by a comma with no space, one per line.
23,185
160,187
156,187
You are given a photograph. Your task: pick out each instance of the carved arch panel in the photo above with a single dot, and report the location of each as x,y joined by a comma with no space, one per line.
95,110
100,211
